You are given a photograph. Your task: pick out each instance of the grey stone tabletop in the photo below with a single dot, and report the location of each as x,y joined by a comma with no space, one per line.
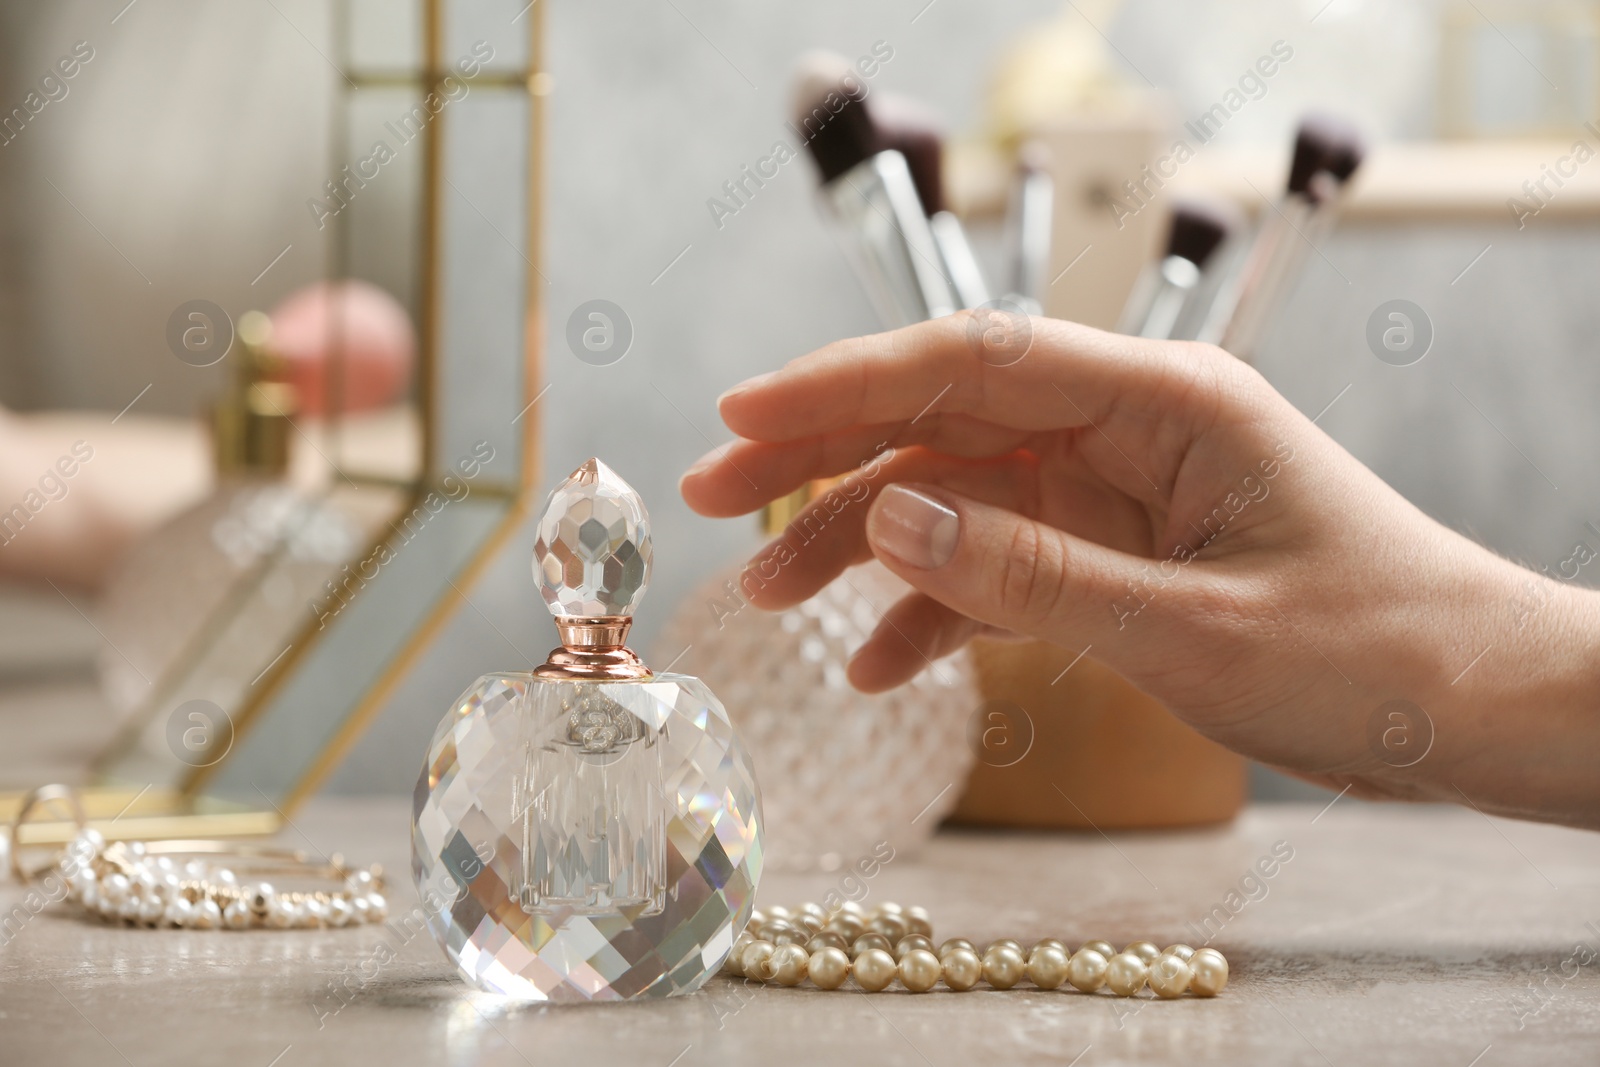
1405,935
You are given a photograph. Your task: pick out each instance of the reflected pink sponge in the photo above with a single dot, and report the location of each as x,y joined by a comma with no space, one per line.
364,324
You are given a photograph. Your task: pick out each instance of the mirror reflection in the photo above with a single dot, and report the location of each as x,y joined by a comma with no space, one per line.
221,410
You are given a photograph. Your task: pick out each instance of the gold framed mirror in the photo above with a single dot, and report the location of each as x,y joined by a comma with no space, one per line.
245,695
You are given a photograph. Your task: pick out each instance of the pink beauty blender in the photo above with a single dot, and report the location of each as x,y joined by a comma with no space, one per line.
365,324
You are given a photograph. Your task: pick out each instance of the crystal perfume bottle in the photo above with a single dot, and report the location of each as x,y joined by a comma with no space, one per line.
587,830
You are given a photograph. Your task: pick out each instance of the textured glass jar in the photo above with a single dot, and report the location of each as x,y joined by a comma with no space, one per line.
587,830
842,770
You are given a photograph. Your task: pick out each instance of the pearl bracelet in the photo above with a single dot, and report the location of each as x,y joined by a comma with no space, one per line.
788,946
143,884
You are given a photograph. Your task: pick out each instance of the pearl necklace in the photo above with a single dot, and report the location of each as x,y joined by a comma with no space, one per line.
132,882
875,948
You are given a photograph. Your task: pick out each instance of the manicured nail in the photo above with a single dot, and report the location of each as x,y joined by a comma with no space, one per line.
747,384
914,528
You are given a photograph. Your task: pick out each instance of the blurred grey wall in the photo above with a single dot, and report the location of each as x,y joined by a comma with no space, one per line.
174,165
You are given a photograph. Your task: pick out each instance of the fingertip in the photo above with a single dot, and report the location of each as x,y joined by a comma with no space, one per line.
691,486
868,672
710,486
915,632
686,490
745,386
758,590
734,402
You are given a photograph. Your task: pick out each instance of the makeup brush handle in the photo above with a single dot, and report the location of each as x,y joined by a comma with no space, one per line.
1252,273
1277,277
1158,298
891,248
960,263
1140,299
1028,237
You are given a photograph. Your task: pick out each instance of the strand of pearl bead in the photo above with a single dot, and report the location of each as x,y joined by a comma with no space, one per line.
123,883
890,943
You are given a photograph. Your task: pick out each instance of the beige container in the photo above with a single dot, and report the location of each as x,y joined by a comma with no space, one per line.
1102,234
1089,751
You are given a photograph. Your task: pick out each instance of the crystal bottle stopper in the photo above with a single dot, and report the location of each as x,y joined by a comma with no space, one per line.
592,562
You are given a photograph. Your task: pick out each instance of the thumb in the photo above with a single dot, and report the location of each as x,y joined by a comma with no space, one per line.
1012,572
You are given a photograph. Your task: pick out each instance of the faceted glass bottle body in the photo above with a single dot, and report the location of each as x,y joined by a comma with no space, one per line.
586,840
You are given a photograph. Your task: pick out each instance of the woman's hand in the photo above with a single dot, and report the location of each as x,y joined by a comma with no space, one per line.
1160,506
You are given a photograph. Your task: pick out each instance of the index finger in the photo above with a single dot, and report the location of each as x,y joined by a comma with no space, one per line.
1058,376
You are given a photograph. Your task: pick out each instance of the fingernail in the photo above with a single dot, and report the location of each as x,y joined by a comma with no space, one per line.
701,465
914,528
747,384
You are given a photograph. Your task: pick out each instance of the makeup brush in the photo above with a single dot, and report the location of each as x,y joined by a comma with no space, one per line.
1029,214
1344,150
1327,152
868,194
1198,229
830,114
1337,150
1317,140
912,130
1278,223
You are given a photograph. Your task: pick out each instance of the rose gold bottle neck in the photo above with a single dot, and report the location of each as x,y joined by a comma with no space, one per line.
592,649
